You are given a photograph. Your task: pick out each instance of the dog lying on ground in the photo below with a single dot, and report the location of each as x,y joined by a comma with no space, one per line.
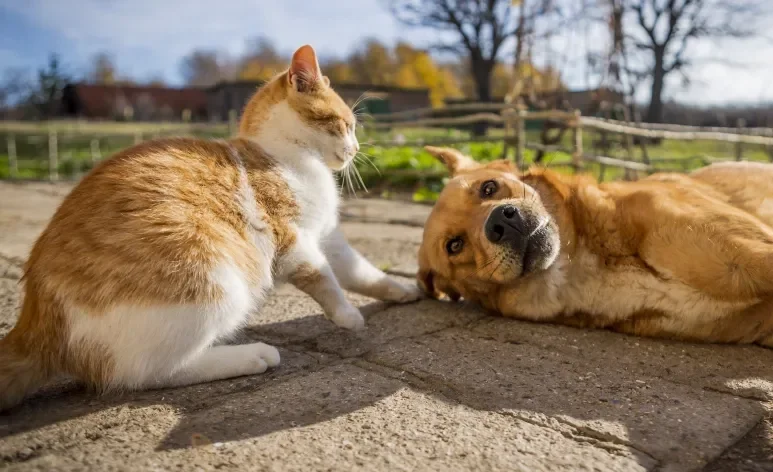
687,257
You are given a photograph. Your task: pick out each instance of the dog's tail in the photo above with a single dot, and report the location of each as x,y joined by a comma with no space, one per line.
22,366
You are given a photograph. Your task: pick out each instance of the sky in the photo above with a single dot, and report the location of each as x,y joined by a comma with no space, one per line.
148,38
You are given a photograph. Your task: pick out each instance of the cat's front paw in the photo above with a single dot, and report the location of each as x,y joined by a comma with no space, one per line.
403,293
348,317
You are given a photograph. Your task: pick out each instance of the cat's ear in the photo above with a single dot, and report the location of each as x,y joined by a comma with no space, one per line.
304,74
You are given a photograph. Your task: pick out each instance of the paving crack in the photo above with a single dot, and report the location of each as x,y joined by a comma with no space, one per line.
427,385
741,438
764,397
608,442
431,384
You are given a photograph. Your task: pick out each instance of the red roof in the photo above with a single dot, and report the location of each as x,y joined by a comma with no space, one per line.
100,101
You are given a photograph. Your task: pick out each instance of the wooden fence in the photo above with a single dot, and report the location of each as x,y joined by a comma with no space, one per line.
513,121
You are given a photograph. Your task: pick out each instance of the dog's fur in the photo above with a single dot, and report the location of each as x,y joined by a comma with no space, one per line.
686,257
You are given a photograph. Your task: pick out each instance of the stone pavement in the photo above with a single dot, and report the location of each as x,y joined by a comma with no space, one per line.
428,386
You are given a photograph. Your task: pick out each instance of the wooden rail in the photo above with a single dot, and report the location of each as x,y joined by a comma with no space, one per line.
623,128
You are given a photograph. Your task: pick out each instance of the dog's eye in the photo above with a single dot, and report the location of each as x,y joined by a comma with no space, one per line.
454,246
488,189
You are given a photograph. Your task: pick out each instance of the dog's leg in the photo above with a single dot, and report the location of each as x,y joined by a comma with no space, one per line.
719,250
355,273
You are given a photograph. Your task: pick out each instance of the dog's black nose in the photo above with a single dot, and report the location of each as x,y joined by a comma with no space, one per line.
505,225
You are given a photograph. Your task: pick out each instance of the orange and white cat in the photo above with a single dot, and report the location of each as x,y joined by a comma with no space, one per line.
166,247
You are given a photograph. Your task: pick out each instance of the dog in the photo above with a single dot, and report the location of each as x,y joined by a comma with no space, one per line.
683,257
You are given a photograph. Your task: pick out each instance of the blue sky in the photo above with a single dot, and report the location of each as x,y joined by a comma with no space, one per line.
147,38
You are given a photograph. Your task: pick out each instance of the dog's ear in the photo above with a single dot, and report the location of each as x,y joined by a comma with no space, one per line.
451,158
426,280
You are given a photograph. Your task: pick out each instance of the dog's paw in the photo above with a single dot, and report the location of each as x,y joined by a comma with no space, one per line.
348,317
403,293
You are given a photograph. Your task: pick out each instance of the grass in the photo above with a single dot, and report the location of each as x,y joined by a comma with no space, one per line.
391,169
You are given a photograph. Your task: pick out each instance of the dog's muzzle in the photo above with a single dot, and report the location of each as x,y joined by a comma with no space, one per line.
505,225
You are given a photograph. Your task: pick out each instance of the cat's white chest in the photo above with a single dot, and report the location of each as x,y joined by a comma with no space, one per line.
316,193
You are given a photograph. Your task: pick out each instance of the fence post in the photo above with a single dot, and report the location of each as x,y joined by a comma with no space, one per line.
13,164
628,143
53,156
520,138
68,163
508,129
96,155
506,135
577,156
232,122
740,124
602,172
642,141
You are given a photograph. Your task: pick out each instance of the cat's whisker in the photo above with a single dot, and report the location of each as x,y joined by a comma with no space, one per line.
352,189
367,159
358,101
359,177
362,114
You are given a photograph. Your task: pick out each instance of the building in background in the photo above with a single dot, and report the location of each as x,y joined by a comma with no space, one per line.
376,99
132,102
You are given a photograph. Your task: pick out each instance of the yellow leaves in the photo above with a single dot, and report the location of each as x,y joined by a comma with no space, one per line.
255,70
339,72
417,69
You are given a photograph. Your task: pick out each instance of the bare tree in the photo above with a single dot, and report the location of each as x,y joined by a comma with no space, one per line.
476,30
656,36
202,68
479,30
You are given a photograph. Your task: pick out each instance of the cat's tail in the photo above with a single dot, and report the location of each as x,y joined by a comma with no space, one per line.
22,366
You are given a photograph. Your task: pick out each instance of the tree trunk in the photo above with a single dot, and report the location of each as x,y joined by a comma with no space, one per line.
481,72
655,111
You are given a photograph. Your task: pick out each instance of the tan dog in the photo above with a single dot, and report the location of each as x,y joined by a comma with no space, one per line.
672,256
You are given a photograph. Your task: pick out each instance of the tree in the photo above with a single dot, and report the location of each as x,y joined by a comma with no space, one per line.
103,70
262,61
45,97
373,64
656,35
479,29
416,68
338,71
202,68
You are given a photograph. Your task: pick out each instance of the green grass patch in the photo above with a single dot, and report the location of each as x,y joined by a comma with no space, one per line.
391,169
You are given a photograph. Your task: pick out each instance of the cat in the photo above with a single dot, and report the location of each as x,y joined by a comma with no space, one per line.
166,247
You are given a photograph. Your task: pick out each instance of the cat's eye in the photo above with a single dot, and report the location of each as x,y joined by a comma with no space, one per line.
454,246
488,189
